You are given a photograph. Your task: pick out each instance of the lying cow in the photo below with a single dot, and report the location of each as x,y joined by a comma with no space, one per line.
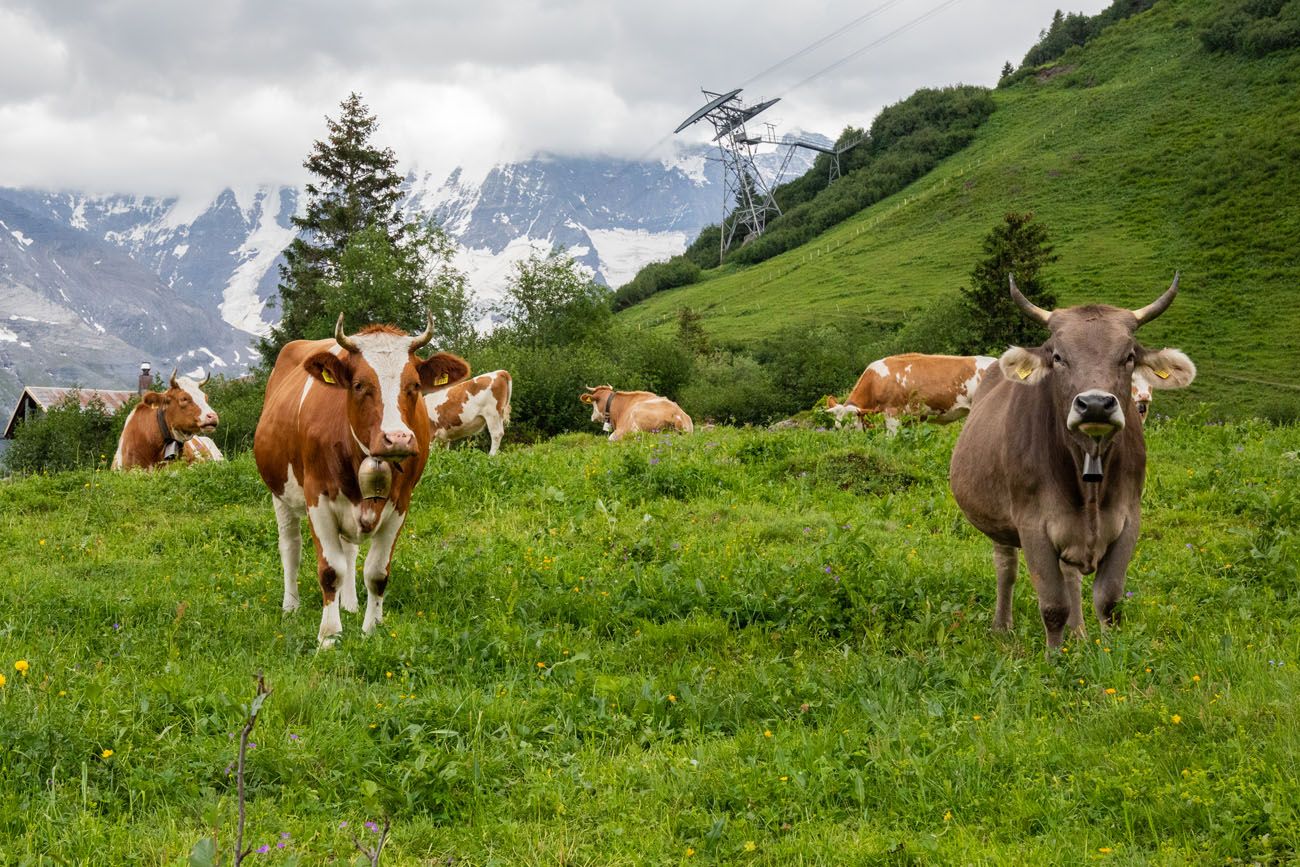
1052,458
464,409
343,438
163,422
936,388
625,412
200,450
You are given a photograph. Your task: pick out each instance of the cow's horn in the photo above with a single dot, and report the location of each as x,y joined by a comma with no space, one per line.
1158,306
172,381
206,377
343,339
1029,308
425,336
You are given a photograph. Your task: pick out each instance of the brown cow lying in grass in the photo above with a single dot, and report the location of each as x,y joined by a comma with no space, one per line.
163,422
625,412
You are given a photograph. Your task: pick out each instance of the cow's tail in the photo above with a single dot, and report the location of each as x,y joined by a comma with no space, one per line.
510,393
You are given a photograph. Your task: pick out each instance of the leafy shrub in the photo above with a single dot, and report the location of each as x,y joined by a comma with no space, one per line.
805,364
1067,31
656,277
66,437
731,388
1254,27
238,402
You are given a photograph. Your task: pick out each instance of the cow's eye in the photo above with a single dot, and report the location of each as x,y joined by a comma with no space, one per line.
1128,362
358,387
1057,359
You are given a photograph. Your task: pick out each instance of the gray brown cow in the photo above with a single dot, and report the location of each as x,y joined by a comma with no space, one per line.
1052,458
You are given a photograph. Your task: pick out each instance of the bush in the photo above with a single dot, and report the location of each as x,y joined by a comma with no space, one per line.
730,389
238,402
805,364
943,327
66,437
1254,28
656,277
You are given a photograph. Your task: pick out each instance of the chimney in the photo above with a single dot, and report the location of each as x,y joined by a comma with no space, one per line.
145,382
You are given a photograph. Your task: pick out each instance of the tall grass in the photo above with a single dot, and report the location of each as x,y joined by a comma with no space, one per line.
735,647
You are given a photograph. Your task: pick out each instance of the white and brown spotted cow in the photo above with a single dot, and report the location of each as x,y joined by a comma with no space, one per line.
163,422
937,388
625,412
464,409
343,438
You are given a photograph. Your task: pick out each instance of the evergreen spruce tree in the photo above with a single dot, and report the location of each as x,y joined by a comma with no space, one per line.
355,188
1018,246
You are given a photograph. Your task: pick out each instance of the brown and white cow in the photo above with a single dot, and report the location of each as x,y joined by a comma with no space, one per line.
625,412
464,409
936,388
163,422
343,438
1052,458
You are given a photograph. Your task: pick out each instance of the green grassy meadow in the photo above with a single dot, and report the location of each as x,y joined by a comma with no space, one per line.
739,647
1143,154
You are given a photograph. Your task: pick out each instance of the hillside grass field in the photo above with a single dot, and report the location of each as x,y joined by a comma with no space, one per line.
1143,153
739,647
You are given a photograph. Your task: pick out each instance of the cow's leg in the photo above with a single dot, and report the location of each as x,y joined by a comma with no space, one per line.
1006,561
1073,578
378,560
348,588
1050,584
289,523
496,430
331,566
1112,572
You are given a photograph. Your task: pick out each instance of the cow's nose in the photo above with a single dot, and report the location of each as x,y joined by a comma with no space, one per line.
211,418
399,440
1095,405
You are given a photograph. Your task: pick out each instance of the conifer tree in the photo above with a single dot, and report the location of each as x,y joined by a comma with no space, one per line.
1017,246
355,188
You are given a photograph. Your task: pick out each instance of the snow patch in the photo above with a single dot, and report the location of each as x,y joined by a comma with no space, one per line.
180,250
240,305
78,218
486,272
22,239
623,252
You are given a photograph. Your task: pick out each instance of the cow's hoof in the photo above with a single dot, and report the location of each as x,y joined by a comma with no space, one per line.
326,643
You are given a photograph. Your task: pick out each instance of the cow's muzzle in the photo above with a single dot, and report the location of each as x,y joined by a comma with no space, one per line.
1095,413
394,446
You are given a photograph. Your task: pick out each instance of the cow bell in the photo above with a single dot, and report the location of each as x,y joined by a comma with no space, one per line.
1091,467
375,479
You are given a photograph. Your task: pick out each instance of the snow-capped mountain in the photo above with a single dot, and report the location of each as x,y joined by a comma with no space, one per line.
92,285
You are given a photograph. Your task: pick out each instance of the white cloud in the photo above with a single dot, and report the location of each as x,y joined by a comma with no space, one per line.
151,97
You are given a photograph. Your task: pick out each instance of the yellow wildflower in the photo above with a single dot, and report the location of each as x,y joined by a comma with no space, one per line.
1196,678
106,754
672,697
689,851
21,667
1105,850
750,845
2,680
541,665
977,717
767,733
1175,719
1110,690
947,815
388,674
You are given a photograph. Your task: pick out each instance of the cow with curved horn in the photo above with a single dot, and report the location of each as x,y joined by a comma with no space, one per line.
343,438
1052,458
164,422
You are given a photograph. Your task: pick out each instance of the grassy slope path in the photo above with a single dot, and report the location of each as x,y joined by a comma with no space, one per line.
740,647
1144,155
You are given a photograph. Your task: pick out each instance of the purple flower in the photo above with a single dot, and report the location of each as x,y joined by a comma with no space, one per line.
230,767
343,824
263,849
807,529
1128,594
292,736
252,746
284,835
371,826
117,626
280,845
827,570
654,460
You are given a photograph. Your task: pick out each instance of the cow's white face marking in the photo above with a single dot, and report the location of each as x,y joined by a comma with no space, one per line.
388,355
191,388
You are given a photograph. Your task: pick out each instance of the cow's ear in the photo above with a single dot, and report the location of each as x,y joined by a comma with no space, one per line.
585,397
441,370
1025,366
155,399
1167,368
328,368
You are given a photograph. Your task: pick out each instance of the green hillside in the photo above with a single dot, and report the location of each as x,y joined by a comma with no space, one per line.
1142,153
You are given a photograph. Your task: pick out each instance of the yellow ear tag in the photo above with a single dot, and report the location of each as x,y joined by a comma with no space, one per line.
1163,374
1024,372
442,380
327,376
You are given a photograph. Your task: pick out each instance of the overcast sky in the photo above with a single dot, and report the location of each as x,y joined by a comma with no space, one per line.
179,97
